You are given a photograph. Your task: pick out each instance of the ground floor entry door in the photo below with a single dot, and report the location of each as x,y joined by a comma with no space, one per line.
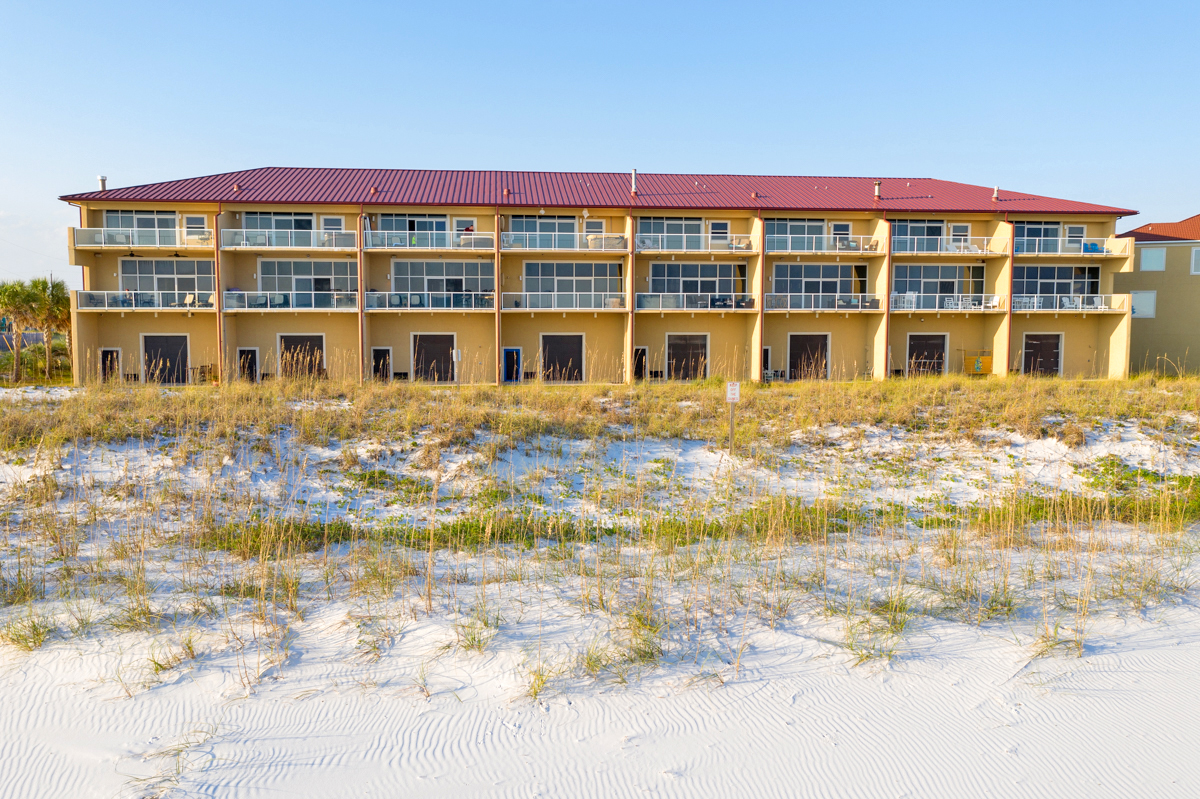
301,356
248,364
562,357
639,363
927,354
381,363
433,357
166,359
808,356
687,356
512,365
1043,352
110,365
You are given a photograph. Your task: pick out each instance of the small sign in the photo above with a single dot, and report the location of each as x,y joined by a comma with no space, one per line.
456,356
733,392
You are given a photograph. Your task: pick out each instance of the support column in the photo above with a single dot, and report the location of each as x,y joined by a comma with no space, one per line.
1002,342
498,301
630,291
362,301
219,296
758,287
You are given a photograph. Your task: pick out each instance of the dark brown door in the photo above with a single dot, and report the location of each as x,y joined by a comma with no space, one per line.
639,363
433,357
926,355
1042,353
562,358
687,357
808,356
512,365
381,363
110,365
248,365
301,356
166,359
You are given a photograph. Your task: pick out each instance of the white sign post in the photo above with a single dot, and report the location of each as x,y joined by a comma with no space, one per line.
733,395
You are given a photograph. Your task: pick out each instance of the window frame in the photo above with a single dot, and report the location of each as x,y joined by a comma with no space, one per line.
1160,254
1153,303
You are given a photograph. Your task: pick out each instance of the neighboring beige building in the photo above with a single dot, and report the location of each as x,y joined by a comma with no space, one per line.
1165,287
602,277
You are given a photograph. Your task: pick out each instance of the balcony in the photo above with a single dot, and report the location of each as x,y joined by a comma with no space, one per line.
694,302
598,242
430,301
562,301
429,240
145,300
947,245
822,302
126,238
947,302
1094,247
289,239
1077,303
823,244
693,242
291,301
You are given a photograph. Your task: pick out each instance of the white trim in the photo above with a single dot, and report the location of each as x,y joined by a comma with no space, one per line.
541,370
828,346
1160,243
279,349
620,262
341,219
603,226
951,236
1195,264
1062,346
120,363
520,364
142,360
412,353
1141,261
1153,294
257,362
667,351
945,349
455,220
391,363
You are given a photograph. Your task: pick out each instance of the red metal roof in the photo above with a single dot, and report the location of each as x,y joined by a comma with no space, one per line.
590,190
1187,230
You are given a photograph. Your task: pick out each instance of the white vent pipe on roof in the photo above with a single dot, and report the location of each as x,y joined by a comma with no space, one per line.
877,189
103,182
633,185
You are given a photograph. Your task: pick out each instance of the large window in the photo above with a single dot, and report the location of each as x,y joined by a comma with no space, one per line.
171,275
670,233
944,279
543,232
307,276
1037,237
1154,259
143,220
256,220
1056,280
710,278
820,279
917,235
795,235
415,223
573,278
443,276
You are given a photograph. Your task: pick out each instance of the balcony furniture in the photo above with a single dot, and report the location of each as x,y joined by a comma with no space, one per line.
741,243
605,241
132,377
278,300
906,302
1069,303
613,303
1095,304
260,301
1025,303
477,241
848,303
992,303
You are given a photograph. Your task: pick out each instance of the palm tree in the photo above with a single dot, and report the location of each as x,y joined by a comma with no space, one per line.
51,309
16,304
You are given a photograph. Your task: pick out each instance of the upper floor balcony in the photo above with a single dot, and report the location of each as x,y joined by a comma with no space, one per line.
233,239
823,244
597,242
291,300
693,242
128,238
839,303
948,245
1076,303
430,301
429,240
145,300
913,301
694,302
1073,246
563,301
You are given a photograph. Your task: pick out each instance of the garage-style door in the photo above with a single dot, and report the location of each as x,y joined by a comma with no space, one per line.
166,359
808,356
562,358
1042,353
926,354
302,356
687,357
433,357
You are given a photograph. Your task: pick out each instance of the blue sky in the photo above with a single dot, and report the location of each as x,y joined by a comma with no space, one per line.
1090,101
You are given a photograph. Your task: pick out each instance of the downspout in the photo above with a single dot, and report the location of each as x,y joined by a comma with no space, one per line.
887,299
498,296
761,296
83,281
362,294
219,295
1012,268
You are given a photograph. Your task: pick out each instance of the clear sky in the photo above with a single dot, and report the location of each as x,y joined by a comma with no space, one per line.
1092,101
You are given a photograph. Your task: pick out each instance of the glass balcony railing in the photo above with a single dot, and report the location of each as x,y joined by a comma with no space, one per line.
142,237
291,239
603,242
822,302
951,245
563,301
429,240
694,302
134,300
947,302
430,300
693,242
291,300
823,244
1073,246
1070,302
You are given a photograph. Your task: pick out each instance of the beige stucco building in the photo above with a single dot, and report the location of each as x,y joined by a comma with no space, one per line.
606,277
